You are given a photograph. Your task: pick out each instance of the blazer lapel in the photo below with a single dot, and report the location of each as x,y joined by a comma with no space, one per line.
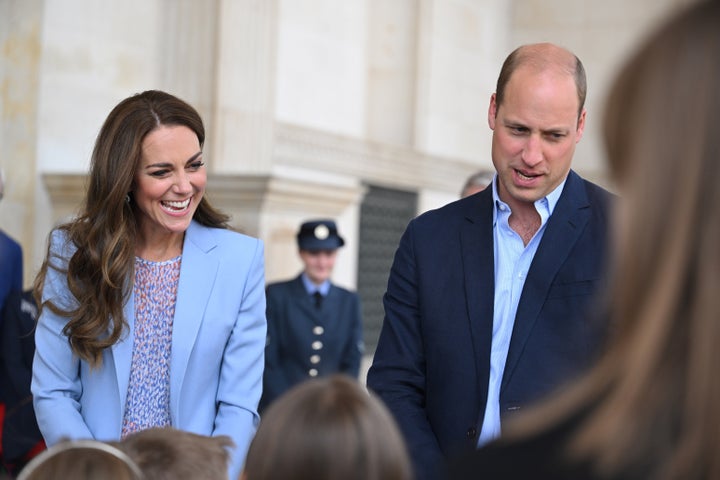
198,272
563,229
476,246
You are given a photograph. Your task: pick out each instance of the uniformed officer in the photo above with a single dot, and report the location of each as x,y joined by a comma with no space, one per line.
314,326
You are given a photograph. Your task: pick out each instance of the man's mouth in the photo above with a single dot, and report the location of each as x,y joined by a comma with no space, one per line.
524,176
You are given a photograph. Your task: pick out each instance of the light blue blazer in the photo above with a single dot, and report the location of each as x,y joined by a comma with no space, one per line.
218,343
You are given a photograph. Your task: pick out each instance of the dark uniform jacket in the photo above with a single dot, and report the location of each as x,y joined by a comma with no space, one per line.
20,432
304,341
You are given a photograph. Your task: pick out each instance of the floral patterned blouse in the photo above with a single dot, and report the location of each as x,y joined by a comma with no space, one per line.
148,395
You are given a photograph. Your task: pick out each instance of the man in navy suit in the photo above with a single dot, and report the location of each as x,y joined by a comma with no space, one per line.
314,326
486,308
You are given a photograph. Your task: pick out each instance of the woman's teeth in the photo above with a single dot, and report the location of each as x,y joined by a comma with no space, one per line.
177,205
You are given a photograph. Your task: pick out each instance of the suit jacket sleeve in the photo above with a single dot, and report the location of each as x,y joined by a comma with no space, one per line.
397,374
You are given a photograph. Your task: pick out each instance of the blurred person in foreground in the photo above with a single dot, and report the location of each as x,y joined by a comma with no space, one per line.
82,460
651,407
487,302
327,428
171,454
152,310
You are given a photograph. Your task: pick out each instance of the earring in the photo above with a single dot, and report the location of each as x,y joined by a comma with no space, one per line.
127,198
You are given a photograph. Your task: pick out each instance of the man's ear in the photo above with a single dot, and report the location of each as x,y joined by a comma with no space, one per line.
492,111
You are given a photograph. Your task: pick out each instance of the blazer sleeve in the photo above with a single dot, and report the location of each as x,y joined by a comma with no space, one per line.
397,374
240,384
56,385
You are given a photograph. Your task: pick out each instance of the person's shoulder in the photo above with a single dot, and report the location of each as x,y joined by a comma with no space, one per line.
8,243
60,243
455,212
594,190
345,292
226,236
281,285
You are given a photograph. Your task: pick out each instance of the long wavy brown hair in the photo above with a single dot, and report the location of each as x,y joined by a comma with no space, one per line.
100,273
655,394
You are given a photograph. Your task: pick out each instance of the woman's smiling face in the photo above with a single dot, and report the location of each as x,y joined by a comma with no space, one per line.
170,181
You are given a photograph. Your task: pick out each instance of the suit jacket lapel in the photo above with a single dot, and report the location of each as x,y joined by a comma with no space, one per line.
476,244
198,272
561,232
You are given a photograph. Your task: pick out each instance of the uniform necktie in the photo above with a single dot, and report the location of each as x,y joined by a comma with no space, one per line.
318,299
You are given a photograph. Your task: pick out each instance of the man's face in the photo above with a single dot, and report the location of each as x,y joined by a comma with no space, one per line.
318,264
535,131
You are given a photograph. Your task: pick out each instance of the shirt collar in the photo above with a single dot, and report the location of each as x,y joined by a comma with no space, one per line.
544,205
311,288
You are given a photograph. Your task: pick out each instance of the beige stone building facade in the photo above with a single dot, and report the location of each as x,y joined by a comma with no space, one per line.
308,104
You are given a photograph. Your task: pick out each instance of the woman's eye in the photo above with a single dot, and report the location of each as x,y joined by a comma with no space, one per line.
196,165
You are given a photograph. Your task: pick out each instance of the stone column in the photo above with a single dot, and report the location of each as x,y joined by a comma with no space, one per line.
20,50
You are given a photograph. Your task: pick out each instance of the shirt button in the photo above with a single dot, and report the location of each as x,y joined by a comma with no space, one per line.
313,372
314,359
317,345
471,433
318,330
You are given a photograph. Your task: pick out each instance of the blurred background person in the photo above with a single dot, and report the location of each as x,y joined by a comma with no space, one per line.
327,429
651,407
152,310
81,460
477,182
314,326
21,438
11,261
172,454
11,280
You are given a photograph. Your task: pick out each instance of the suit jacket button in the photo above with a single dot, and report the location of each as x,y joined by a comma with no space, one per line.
471,433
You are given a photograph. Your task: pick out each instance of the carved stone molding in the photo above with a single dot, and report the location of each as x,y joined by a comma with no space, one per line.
382,164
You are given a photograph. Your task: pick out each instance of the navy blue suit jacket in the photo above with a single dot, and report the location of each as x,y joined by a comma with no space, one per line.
292,354
431,366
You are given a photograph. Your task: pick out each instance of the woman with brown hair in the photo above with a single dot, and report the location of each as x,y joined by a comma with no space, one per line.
327,428
651,407
152,309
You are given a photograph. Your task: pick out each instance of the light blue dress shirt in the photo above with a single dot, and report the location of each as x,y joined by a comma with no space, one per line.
311,288
512,262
